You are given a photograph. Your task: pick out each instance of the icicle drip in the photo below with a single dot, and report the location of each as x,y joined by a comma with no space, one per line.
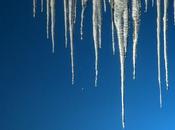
42,5
52,9
152,3
65,20
96,19
34,8
112,25
158,48
146,5
48,17
136,19
72,17
104,5
165,19
83,4
119,20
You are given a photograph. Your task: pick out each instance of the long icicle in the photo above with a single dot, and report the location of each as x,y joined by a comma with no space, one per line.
48,17
83,5
96,20
52,10
119,7
65,21
72,17
136,19
42,5
165,19
158,48
34,8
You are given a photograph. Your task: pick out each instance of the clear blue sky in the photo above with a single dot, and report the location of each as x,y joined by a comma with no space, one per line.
35,85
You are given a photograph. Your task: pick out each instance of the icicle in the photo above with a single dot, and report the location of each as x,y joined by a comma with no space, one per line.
52,9
99,21
42,5
146,5
83,4
174,12
136,19
72,17
119,18
65,20
75,10
165,19
152,3
112,25
34,8
48,17
104,5
96,20
158,48
113,41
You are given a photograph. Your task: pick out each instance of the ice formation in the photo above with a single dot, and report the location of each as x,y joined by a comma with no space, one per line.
158,48
120,21
83,6
136,19
165,19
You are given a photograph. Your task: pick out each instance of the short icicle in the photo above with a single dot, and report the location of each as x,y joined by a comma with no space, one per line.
83,6
34,8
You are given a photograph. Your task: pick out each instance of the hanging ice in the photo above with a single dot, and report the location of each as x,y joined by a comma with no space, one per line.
34,8
112,25
158,48
65,20
146,5
52,7
165,39
152,3
42,4
136,18
104,5
72,19
83,6
174,12
96,20
119,23
120,20
48,17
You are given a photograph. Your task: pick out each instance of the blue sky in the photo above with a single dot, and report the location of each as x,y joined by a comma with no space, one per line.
35,85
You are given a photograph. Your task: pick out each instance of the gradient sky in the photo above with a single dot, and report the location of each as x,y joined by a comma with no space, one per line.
35,85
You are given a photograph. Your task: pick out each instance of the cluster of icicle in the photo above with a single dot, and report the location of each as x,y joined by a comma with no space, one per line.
119,24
